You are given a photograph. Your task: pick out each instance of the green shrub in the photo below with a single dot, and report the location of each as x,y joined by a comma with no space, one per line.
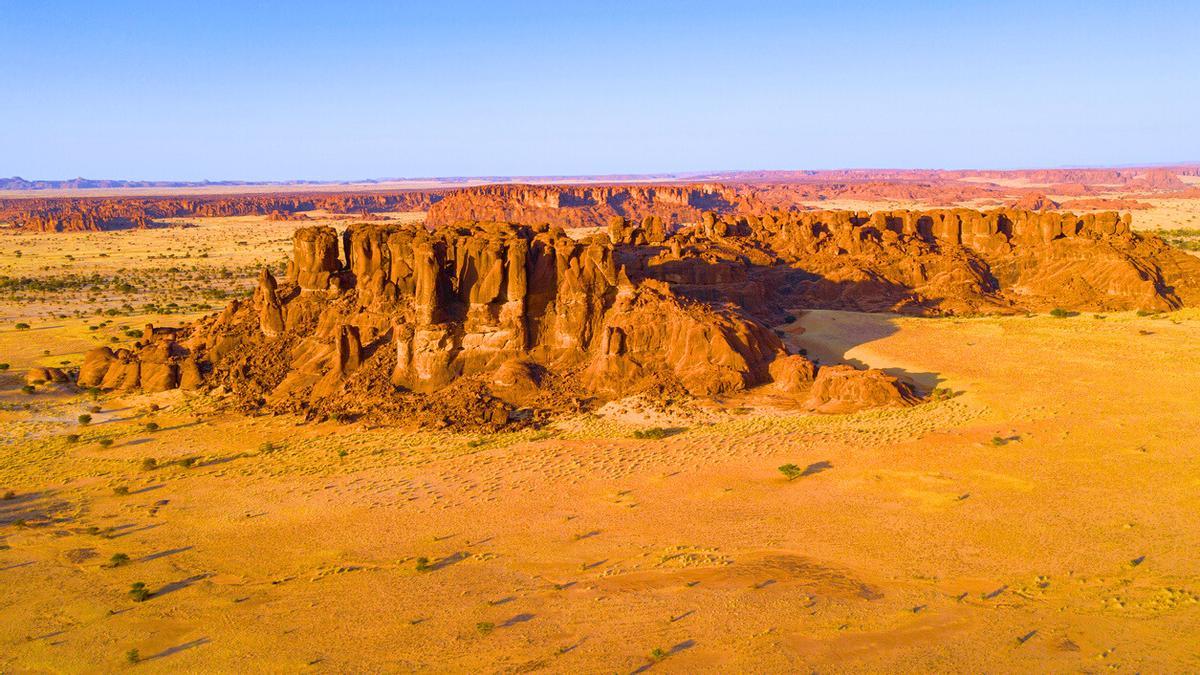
653,433
22,326
28,389
118,559
149,464
120,491
1060,313
138,592
133,656
791,471
4,366
84,419
105,442
485,627
72,438
152,426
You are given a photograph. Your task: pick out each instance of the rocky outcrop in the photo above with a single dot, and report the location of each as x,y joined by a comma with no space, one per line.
792,374
842,389
462,324
927,262
86,214
44,374
156,365
407,314
570,206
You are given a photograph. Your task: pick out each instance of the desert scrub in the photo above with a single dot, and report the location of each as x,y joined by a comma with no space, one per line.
149,464
791,471
117,560
941,394
138,592
105,442
1183,238
654,433
84,419
485,627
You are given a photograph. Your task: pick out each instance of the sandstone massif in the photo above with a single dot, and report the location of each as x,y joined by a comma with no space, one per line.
592,204
487,324
92,214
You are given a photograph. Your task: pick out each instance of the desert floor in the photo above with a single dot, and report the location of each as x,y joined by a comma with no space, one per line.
1045,518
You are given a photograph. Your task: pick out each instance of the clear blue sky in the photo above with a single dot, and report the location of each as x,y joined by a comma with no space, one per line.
339,90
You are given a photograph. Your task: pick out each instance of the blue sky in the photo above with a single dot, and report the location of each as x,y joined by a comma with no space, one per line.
342,90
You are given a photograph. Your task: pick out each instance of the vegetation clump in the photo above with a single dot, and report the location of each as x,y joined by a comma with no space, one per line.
653,433
791,471
138,592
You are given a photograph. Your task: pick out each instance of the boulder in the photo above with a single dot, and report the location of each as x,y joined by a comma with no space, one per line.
843,388
792,374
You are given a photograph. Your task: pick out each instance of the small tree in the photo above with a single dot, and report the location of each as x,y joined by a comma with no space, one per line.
138,592
791,471
85,419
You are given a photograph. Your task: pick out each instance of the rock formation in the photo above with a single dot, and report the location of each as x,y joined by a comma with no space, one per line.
572,206
927,262
87,214
463,324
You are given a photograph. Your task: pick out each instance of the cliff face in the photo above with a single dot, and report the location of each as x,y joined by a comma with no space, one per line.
929,262
465,323
89,214
454,326
583,205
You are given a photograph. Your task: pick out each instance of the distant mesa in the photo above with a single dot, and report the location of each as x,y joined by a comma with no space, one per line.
589,203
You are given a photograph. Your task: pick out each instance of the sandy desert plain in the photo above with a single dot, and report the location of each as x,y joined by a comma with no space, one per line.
1044,518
